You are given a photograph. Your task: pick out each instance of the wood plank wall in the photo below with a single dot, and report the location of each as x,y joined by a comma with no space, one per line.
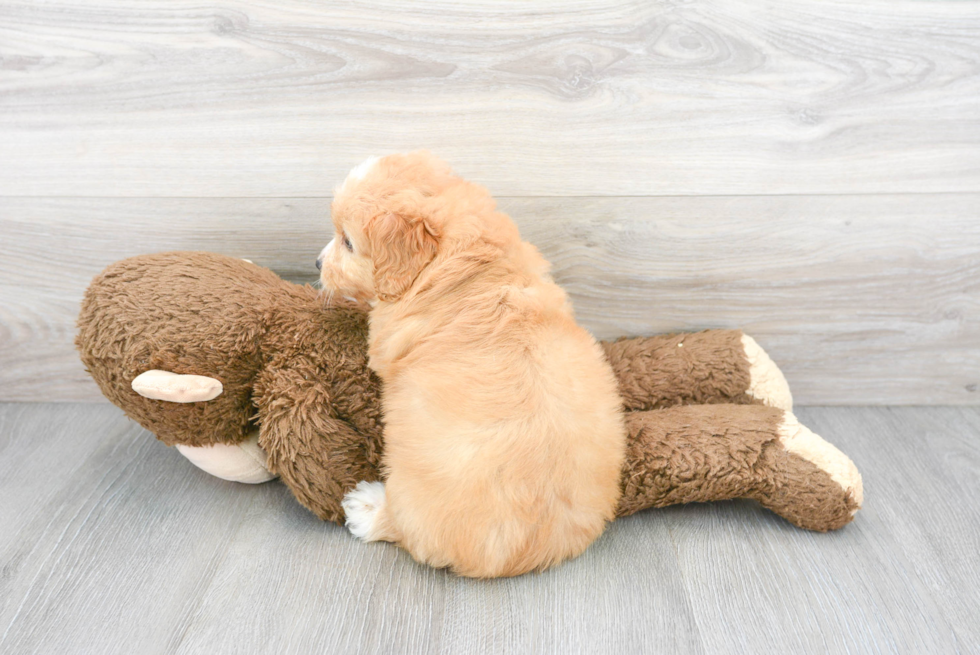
809,171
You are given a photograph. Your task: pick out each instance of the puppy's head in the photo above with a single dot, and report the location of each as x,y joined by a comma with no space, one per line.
387,226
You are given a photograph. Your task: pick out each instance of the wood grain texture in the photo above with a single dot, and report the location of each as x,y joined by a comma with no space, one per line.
860,299
112,543
244,99
86,567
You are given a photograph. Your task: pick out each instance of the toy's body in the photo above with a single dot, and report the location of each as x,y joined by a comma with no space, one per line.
708,413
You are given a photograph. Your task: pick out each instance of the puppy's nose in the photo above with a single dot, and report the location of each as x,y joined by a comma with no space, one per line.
319,263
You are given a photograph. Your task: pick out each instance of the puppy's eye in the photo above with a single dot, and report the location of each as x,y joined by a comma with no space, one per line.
348,244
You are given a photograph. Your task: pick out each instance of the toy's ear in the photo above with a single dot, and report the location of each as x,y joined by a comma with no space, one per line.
401,247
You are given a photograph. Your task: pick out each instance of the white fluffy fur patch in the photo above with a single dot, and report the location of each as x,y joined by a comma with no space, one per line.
767,382
359,171
799,440
361,506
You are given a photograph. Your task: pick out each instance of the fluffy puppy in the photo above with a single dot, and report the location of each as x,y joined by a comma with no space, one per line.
504,436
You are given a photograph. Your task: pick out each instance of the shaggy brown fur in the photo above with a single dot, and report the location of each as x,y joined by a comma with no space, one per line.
711,365
719,452
297,366
286,358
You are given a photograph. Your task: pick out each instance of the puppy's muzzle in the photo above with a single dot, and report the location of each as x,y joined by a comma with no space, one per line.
319,263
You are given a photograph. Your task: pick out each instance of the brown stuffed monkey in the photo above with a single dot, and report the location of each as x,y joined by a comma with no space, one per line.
201,348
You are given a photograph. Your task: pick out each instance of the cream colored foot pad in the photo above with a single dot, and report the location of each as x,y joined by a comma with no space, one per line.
766,380
242,462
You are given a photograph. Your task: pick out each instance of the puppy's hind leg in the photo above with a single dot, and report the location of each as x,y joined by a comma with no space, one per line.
366,509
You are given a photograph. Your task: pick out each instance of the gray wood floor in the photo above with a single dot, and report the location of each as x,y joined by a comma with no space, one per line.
112,543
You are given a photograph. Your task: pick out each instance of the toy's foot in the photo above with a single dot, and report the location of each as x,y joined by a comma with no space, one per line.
798,439
241,462
811,483
766,382
365,507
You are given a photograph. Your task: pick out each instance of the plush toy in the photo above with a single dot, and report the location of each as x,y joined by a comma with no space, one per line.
200,349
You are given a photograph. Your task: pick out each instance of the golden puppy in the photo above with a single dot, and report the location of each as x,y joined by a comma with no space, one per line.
504,437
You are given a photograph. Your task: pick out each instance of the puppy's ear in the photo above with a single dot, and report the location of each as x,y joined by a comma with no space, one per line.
401,247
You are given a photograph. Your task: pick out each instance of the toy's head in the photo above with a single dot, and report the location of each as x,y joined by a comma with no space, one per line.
286,358
191,313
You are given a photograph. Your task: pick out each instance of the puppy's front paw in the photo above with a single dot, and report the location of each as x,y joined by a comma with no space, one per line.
362,506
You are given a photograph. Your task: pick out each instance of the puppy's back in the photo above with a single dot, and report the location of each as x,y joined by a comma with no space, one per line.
506,436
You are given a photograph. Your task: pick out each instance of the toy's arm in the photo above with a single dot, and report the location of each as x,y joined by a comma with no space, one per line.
705,453
713,366
319,457
319,461
317,454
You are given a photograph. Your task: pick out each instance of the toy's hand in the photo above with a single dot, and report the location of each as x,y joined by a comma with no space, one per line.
242,462
176,388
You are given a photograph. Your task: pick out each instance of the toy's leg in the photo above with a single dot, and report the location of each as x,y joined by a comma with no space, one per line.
240,462
713,366
717,452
